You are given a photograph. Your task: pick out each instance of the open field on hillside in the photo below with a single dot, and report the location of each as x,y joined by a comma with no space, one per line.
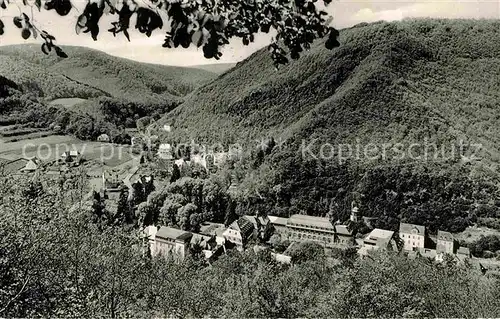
68,102
474,233
51,147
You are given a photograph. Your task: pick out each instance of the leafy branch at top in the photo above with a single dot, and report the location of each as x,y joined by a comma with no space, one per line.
209,24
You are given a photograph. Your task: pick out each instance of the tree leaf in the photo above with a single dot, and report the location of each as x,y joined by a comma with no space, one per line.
18,22
125,32
26,33
197,38
38,4
45,48
60,53
78,28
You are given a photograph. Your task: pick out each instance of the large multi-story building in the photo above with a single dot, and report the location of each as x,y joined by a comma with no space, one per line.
413,236
171,242
319,229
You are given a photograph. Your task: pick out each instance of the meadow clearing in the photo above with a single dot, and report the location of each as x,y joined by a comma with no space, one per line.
50,148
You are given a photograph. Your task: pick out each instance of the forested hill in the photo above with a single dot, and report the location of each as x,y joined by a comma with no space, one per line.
387,82
90,73
430,82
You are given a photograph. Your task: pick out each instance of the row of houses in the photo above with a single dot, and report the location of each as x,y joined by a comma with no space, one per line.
216,238
415,240
211,161
30,165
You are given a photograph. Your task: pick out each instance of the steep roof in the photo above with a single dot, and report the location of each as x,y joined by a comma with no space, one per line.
202,240
343,230
172,233
243,225
275,220
150,231
411,229
32,164
377,236
310,221
463,251
444,235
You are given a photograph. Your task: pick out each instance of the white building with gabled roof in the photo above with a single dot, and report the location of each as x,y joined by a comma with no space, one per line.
413,236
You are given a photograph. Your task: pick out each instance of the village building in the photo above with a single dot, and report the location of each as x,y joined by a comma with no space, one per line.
220,159
210,164
171,242
263,228
71,156
445,243
149,236
413,236
278,224
111,181
319,229
378,239
32,165
463,252
136,140
180,162
165,152
104,138
216,230
198,159
210,247
239,232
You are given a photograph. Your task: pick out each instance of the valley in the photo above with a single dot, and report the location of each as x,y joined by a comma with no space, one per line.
361,181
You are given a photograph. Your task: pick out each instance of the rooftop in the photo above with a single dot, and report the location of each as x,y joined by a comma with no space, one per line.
463,251
202,240
173,233
244,225
444,235
343,230
378,233
278,220
310,221
411,229
212,229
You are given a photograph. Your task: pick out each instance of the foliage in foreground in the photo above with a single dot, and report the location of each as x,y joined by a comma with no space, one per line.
57,263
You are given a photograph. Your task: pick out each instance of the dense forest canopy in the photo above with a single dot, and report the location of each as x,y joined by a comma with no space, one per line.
57,264
397,83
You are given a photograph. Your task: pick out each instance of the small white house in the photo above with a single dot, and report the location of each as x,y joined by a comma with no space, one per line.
165,151
32,165
167,128
104,138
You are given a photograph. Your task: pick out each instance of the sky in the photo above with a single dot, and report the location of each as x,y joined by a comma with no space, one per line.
346,13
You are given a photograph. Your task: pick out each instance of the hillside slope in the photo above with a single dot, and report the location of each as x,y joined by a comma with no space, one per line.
388,82
90,73
413,100
217,68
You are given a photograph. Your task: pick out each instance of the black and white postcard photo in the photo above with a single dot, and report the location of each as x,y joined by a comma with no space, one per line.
249,159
